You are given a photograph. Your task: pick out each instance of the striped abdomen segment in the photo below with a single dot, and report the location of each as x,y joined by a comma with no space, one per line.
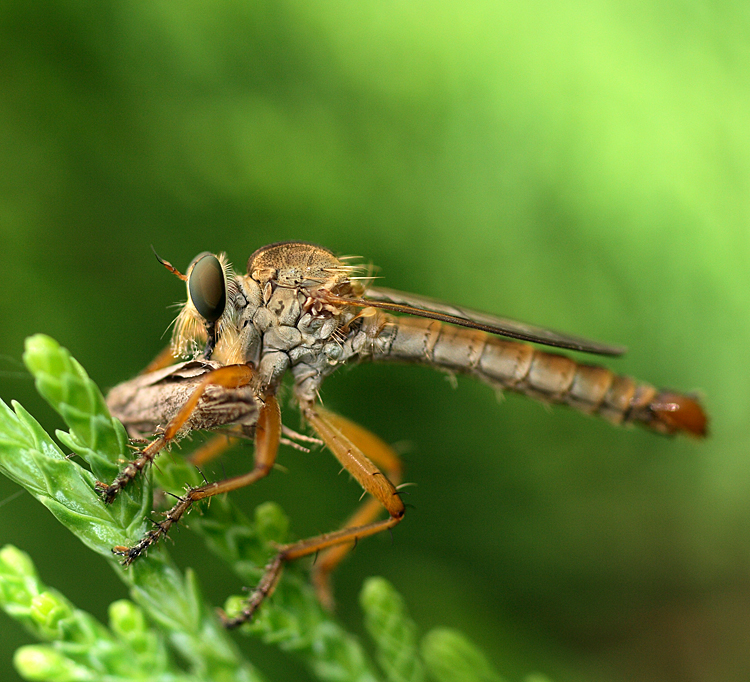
545,376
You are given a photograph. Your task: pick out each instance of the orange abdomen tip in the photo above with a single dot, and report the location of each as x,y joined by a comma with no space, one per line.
680,413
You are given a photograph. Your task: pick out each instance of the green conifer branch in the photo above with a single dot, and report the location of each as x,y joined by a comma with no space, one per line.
169,614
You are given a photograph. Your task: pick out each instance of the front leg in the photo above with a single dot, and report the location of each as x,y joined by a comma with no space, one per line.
231,376
267,436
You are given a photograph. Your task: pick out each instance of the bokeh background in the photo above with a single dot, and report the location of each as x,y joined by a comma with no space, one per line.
584,166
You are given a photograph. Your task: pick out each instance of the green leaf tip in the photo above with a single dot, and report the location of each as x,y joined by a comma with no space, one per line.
271,523
451,657
49,610
393,631
43,611
94,435
80,647
19,584
126,618
14,562
39,662
42,355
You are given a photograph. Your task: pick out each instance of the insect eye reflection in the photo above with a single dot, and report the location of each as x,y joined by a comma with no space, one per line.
207,287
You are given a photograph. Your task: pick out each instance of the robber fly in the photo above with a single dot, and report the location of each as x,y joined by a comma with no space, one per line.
300,310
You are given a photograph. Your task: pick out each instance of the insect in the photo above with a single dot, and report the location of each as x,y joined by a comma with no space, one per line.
301,311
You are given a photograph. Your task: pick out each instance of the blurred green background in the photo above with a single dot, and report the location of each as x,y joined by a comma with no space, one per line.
584,166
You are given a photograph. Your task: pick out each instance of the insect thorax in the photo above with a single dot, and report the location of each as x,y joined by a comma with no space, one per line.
277,318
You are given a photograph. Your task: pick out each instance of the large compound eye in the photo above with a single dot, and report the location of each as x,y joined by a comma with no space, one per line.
207,287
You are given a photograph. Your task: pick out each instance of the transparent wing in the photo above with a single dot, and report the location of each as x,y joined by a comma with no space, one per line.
422,306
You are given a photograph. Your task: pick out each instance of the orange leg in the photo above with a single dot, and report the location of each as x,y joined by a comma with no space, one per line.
212,448
215,447
267,434
231,376
384,456
164,359
331,429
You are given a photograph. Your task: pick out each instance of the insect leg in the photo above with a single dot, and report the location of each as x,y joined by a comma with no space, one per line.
385,457
267,434
231,376
366,474
165,358
214,447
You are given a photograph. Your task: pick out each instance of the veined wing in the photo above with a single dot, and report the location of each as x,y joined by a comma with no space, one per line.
423,306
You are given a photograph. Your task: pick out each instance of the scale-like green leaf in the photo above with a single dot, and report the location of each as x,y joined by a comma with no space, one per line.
393,630
80,648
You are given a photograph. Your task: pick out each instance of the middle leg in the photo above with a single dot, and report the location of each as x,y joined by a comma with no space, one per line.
329,428
386,458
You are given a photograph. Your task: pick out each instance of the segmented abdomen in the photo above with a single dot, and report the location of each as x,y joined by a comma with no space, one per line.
545,376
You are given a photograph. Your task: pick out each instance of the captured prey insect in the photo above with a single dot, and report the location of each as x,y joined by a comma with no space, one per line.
300,310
